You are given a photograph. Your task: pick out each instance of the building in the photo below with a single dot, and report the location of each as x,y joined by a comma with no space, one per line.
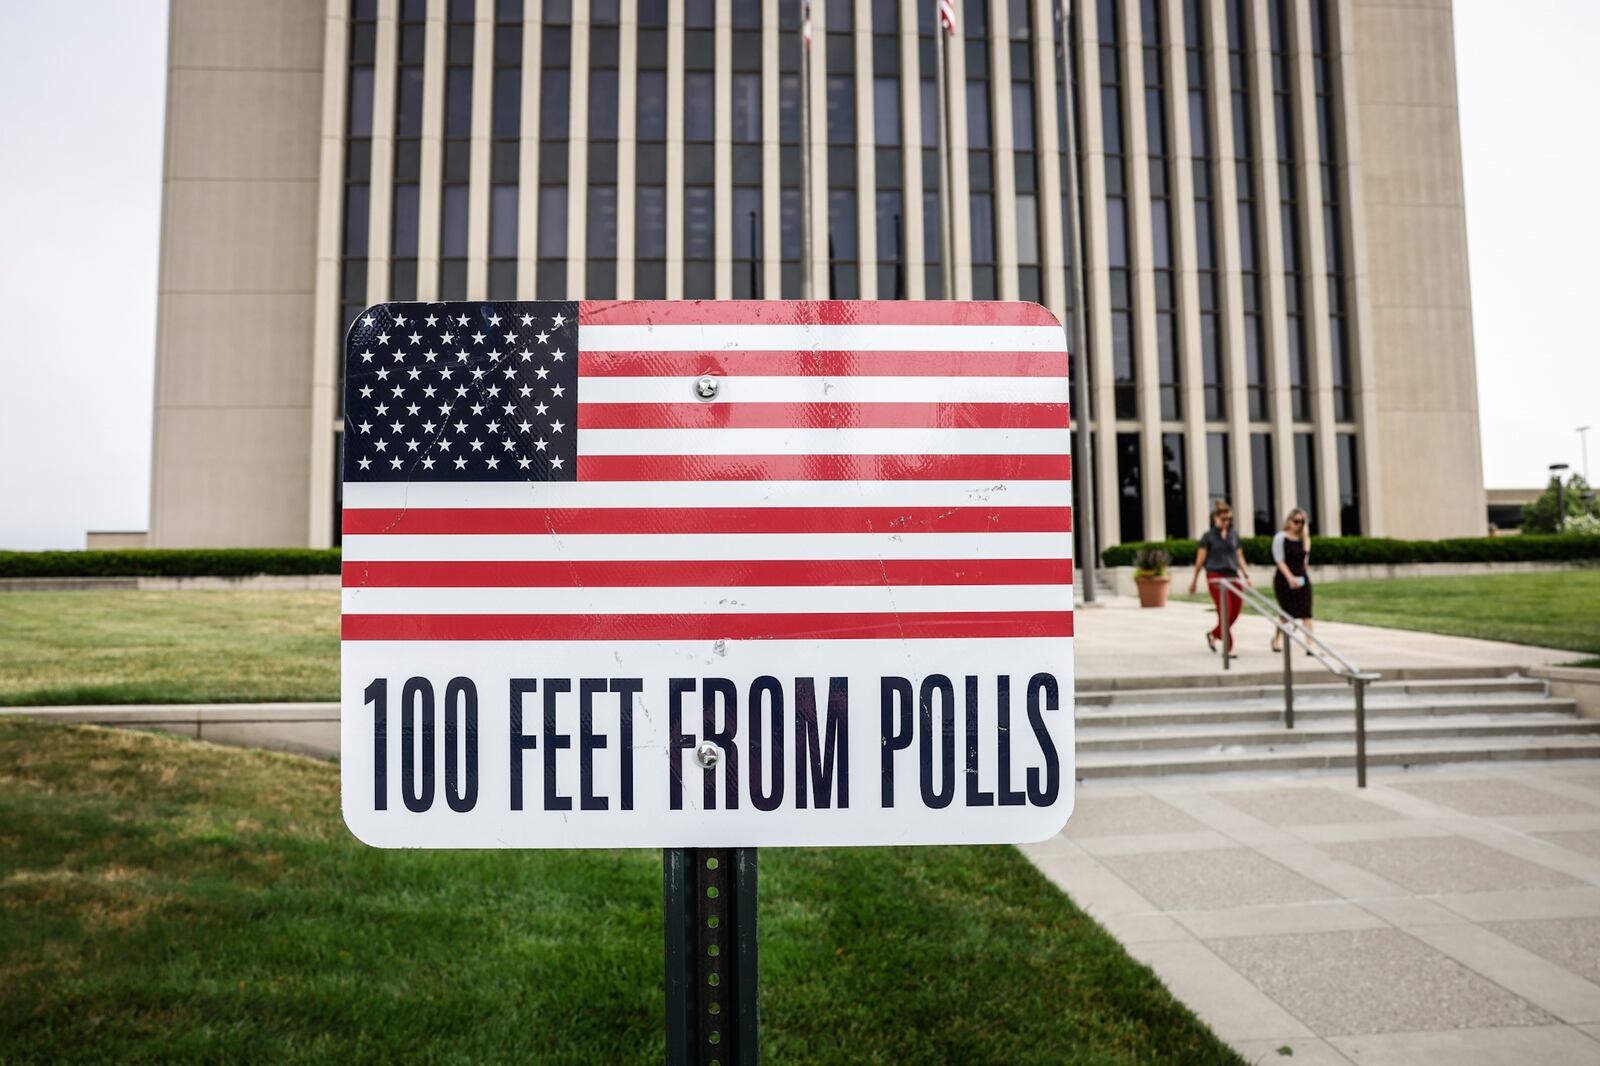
1273,226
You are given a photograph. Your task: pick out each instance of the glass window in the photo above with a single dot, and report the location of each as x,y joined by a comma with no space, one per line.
405,221
554,107
841,110
842,223
502,221
1349,486
1175,484
652,105
747,108
360,119
1130,493
453,232
652,233
1218,473
978,114
1022,115
983,242
699,112
355,219
408,116
552,221
603,105
746,222
1305,477
1027,230
699,222
1263,484
602,222
886,111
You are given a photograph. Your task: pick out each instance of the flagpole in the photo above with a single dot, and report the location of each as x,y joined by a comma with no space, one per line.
805,147
1078,343
947,273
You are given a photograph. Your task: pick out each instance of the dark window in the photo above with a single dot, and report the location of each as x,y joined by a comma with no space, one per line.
1349,486
1263,484
1130,492
1305,477
1175,484
1219,474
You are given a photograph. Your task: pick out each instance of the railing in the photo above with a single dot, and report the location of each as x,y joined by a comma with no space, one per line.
1292,633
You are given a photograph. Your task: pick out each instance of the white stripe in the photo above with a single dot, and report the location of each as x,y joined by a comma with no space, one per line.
752,600
688,547
823,441
756,338
842,389
583,494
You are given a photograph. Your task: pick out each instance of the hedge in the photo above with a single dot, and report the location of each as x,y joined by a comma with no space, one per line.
170,562
1388,551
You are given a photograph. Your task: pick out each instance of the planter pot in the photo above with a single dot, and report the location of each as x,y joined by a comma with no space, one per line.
1153,590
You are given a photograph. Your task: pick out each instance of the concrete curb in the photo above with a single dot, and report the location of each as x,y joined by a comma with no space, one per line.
303,728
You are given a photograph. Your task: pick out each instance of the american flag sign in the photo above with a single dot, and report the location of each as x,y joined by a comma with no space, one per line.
706,574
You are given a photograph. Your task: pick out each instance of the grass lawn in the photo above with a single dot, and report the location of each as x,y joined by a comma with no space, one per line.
163,899
168,647
1553,610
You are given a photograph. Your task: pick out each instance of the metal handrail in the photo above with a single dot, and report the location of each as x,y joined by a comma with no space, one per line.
1295,633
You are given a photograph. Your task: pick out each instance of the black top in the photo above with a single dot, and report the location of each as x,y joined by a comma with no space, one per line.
1222,552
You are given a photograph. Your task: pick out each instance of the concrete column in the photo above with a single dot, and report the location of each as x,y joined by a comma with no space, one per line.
771,162
960,239
1003,147
1180,153
1053,252
380,202
325,348
1136,176
817,70
478,178
911,150
1229,262
1097,280
528,151
578,155
1275,304
722,146
1358,301
866,160
627,132
432,150
675,96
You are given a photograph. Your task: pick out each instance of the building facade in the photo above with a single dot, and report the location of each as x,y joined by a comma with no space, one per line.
1274,284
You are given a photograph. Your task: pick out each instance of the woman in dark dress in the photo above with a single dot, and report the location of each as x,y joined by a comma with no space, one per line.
1291,552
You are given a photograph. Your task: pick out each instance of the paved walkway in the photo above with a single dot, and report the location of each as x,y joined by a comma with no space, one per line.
1116,640
1449,917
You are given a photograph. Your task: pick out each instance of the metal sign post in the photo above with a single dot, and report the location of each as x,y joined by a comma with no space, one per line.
713,1009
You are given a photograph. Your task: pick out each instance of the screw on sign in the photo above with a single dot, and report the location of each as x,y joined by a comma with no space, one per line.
706,576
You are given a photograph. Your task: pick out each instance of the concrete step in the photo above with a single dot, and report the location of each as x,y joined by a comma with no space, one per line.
1340,708
1310,688
1328,756
1230,737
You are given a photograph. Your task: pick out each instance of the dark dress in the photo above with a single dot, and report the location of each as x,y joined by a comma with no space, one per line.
1296,603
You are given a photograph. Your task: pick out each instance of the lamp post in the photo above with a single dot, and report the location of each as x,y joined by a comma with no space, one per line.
1583,442
1561,496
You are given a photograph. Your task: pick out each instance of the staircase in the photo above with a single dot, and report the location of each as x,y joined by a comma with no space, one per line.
1417,718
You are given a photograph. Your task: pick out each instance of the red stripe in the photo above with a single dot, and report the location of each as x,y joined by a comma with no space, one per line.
713,573
829,364
823,467
708,520
882,626
822,415
815,312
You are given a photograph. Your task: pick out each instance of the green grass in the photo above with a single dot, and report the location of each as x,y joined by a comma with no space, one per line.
1552,610
168,647
163,899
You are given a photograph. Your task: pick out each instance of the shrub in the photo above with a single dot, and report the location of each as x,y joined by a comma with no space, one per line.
170,562
1151,562
1334,551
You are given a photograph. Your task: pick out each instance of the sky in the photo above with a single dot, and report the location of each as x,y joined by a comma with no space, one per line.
82,90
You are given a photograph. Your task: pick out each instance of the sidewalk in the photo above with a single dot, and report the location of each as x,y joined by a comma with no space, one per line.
1116,640
1449,917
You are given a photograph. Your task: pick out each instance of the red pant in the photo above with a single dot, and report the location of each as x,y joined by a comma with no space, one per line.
1235,603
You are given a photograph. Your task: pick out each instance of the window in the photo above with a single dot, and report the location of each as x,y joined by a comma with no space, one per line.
600,238
555,123
650,192
1219,474
1305,477
358,165
748,167
1169,379
1175,485
980,166
1263,484
699,173
1124,360
1255,361
1024,162
1212,374
1130,495
505,152
403,219
1326,73
1288,197
1349,486
459,33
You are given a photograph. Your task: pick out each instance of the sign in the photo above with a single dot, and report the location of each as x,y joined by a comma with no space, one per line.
706,574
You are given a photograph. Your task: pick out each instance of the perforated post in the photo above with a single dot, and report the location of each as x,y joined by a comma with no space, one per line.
712,987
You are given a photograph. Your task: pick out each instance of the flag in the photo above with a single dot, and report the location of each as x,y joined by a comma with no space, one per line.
947,15
805,22
628,471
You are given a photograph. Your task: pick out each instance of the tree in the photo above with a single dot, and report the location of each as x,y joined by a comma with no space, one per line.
1540,515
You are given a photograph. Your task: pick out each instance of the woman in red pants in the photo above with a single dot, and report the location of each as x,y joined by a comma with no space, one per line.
1219,556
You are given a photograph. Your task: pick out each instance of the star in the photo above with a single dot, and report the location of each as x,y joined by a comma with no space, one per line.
524,426
477,408
524,462
413,373
446,339
527,320
543,338
542,372
367,321
366,357
366,427
382,446
493,427
411,445
492,462
399,357
461,390
430,355
555,427
428,427
558,391
399,320
444,409
494,320
511,372
557,354
364,463
525,390
446,373
432,320
461,427
444,444
427,464
555,463
461,357
411,408
527,356
540,444
507,445
540,409
511,339
383,409
461,321
398,391
460,463
494,356
416,338
492,391
383,338
383,375
478,372
477,445
366,391
429,391
396,427
560,320
477,338
395,462
510,408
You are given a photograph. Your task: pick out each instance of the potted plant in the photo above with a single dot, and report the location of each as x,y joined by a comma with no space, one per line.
1150,574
